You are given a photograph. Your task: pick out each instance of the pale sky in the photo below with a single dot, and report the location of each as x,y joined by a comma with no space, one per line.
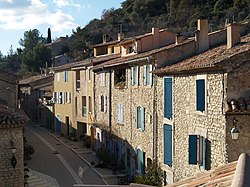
62,16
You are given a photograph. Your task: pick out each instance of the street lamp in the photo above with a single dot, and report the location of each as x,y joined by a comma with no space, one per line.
235,131
13,160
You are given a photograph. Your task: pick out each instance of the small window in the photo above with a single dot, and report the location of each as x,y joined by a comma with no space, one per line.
112,49
84,108
89,72
103,103
135,75
78,81
140,161
103,79
200,95
65,76
140,118
68,97
147,75
58,76
120,113
197,150
130,49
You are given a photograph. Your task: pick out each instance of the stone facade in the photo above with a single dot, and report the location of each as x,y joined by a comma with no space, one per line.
11,130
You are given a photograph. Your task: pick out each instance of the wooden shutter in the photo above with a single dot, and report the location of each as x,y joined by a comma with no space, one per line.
136,159
136,117
145,75
200,95
168,98
137,75
142,118
100,103
58,97
54,97
168,144
142,157
151,74
63,97
121,113
69,97
132,76
192,153
204,153
105,103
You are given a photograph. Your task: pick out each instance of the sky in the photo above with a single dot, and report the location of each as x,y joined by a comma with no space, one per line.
61,16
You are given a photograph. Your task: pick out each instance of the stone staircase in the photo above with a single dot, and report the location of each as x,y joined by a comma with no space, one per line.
37,179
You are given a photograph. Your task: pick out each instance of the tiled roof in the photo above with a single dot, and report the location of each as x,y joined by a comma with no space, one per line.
10,118
107,43
33,78
221,176
211,58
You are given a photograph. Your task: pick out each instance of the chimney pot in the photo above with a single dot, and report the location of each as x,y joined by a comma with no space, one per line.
202,43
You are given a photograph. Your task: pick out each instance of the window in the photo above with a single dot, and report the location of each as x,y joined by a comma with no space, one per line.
65,76
90,104
68,97
147,75
120,113
60,97
140,161
84,108
58,76
89,72
120,77
140,118
112,49
103,103
197,150
200,95
135,74
103,79
168,144
168,98
130,49
78,81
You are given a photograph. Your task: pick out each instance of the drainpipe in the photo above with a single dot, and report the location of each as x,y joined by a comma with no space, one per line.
110,96
154,118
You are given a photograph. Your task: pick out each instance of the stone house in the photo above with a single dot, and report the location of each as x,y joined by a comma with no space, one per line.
9,90
32,94
195,115
59,46
124,95
12,123
60,60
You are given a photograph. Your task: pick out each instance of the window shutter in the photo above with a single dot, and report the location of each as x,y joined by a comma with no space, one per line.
105,103
168,102
58,76
145,75
132,76
136,117
137,76
58,97
69,95
64,78
136,159
168,144
104,79
142,157
200,95
63,97
121,114
204,152
54,97
100,103
142,118
193,149
151,74
67,76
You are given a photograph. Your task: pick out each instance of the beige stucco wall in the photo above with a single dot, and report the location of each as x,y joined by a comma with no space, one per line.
187,121
66,109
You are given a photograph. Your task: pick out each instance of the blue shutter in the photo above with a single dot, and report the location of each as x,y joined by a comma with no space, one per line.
168,144
151,74
145,75
136,159
168,101
200,95
120,150
67,74
142,157
137,76
136,117
204,152
193,149
142,118
132,76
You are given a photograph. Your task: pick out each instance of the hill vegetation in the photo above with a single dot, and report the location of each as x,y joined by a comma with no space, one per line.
133,18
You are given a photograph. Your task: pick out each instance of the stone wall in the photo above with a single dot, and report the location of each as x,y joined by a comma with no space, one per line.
187,121
9,176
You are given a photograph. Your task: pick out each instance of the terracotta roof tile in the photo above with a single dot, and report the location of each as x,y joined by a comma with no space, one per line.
34,78
210,58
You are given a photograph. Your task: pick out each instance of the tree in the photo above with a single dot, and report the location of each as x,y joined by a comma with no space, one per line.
31,39
49,36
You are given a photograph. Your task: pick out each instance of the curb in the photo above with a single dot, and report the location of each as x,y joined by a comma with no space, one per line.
97,172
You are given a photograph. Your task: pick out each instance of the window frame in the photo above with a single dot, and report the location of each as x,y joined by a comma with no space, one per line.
140,118
198,78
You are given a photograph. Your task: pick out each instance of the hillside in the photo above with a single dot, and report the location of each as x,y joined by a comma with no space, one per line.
138,16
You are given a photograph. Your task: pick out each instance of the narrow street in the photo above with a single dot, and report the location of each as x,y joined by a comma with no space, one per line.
52,158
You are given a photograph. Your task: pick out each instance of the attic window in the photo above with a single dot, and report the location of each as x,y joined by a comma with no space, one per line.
130,49
120,77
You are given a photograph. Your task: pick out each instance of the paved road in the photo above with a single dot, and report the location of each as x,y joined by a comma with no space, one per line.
54,159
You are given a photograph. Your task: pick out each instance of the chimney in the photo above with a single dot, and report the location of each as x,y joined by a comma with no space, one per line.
201,36
156,37
179,38
120,36
233,34
105,38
